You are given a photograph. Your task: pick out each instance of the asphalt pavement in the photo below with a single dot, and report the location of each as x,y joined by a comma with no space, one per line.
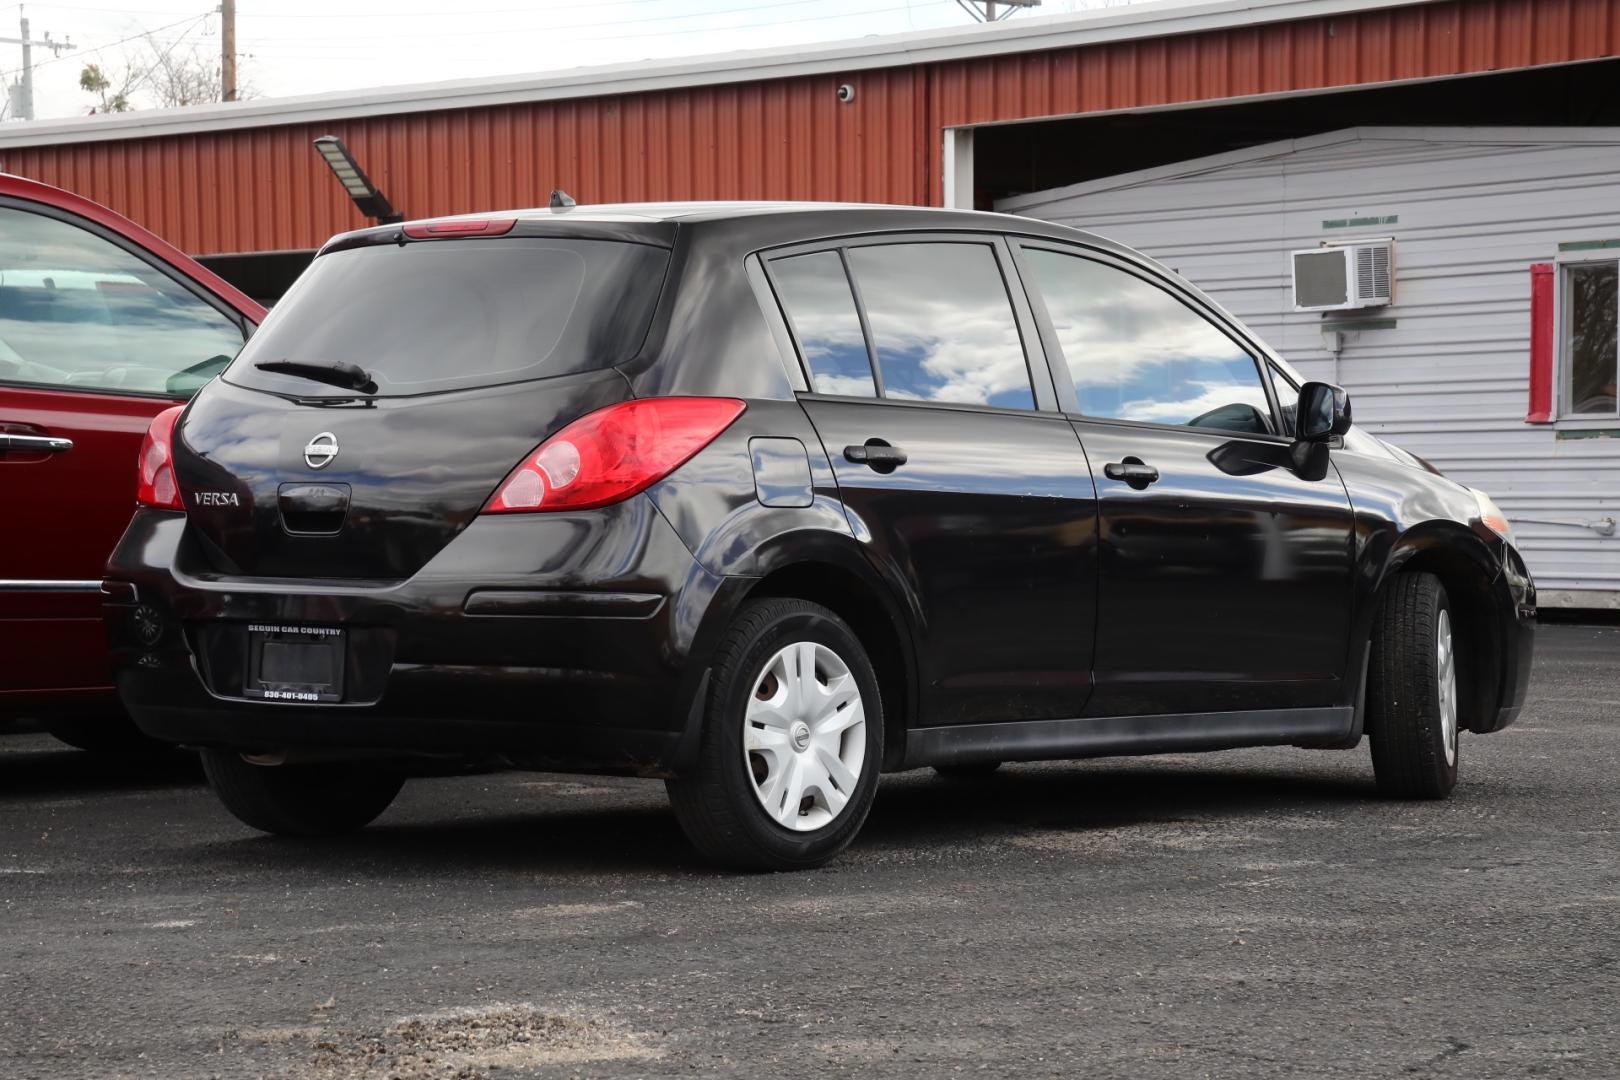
1244,914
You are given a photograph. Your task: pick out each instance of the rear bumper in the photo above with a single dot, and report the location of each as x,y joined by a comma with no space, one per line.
553,641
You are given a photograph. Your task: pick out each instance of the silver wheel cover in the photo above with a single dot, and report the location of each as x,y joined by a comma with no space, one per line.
804,736
1446,677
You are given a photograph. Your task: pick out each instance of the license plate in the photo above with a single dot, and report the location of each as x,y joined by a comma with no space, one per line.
295,663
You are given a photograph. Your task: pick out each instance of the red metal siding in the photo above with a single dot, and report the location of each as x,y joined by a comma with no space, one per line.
265,189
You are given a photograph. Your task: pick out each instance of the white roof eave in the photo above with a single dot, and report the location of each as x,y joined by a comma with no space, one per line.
1134,21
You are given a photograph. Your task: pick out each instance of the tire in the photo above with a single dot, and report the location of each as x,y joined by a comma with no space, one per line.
323,799
721,803
109,733
972,770
1412,691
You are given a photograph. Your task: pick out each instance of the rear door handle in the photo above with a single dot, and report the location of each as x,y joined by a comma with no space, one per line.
49,444
1132,471
876,454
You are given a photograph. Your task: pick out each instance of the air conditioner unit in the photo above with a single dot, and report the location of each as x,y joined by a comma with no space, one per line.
1340,277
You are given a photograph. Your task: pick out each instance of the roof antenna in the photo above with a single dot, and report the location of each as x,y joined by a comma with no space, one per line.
561,200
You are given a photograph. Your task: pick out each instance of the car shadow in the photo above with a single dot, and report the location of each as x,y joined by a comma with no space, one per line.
916,810
633,841
37,764
1075,796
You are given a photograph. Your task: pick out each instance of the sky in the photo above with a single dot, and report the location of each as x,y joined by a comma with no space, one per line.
307,46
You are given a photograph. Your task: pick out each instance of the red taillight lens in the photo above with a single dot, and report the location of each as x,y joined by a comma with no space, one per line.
613,453
437,230
155,484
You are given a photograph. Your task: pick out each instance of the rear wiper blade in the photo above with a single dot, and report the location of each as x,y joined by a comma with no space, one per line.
334,373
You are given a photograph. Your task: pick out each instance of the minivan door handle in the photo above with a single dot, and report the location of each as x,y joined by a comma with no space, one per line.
1132,471
876,454
47,444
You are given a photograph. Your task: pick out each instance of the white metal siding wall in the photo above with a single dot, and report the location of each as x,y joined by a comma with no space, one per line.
1449,382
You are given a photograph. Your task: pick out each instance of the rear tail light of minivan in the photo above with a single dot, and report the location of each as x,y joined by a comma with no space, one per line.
155,484
613,453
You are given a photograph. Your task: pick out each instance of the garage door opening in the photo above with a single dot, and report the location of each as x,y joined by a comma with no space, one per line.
1037,155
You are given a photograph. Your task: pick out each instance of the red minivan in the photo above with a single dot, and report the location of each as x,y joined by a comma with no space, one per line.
102,326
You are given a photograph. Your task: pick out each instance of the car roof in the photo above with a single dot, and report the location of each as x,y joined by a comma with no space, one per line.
657,219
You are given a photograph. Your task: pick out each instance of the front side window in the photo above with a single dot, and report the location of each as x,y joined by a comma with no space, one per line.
821,310
943,328
1591,355
79,312
1136,352
1287,400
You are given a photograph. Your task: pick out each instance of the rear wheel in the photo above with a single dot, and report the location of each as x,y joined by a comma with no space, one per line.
791,744
1412,690
316,799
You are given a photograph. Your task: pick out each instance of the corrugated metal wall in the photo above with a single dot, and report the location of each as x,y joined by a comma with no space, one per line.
1449,380
265,190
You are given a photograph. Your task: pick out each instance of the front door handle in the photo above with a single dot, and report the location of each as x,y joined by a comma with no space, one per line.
876,454
48,444
1132,471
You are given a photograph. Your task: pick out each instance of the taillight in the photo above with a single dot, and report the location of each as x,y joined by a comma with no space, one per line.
440,230
613,453
155,484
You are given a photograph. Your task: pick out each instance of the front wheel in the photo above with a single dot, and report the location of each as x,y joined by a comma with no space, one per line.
791,745
312,799
1412,690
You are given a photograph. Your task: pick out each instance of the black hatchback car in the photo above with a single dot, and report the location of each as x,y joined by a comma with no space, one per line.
765,499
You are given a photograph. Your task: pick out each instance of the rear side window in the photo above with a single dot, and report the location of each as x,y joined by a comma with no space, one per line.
79,312
942,326
443,315
815,294
1136,352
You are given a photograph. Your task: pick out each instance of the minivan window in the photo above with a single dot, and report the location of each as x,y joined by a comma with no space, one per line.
442,315
1136,352
78,312
942,325
821,310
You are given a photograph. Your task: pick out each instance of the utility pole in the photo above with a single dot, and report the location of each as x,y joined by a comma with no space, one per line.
227,50
985,11
22,93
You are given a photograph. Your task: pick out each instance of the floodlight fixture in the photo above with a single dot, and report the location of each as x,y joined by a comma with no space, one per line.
366,195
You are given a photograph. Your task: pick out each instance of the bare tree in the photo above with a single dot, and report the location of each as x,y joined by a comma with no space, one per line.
158,74
182,76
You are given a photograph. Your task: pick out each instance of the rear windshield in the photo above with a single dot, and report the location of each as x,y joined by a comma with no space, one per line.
442,315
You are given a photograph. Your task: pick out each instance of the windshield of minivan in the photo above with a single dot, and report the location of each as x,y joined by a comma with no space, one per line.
443,315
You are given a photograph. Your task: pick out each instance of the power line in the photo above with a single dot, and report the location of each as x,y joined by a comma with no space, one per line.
505,31
191,22
522,10
342,41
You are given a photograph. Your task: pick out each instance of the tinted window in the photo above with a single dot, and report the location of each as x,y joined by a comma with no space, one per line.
1136,352
941,323
451,314
80,312
815,294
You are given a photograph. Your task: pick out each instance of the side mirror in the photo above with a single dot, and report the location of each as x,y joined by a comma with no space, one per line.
1324,411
